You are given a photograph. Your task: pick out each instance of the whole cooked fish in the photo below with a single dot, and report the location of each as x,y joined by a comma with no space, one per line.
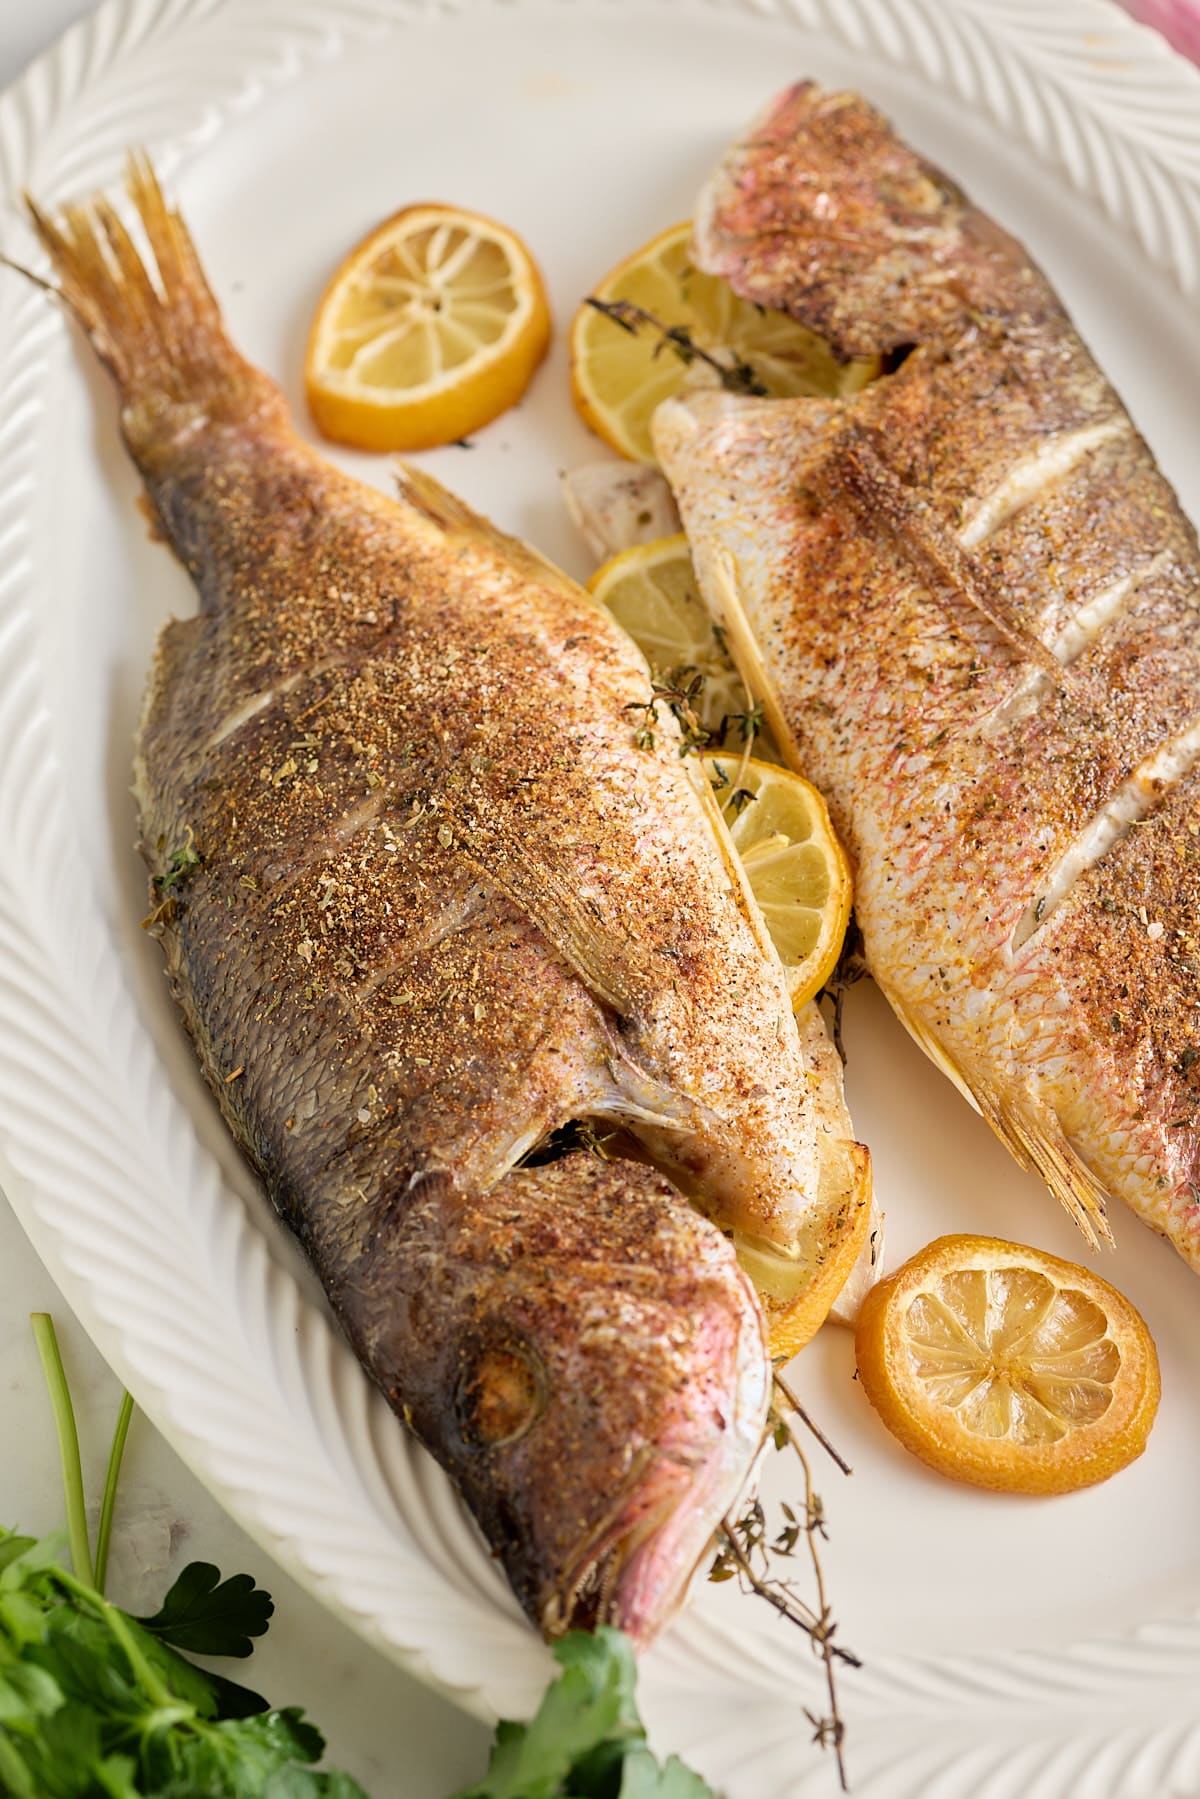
973,604
426,904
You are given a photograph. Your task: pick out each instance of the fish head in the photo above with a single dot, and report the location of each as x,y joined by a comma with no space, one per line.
586,1358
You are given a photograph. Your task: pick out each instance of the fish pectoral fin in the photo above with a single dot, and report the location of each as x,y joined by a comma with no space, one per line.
1029,1130
601,960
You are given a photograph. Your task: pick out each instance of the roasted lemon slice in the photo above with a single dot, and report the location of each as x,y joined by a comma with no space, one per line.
1008,1368
651,591
795,865
618,377
431,327
779,822
796,1288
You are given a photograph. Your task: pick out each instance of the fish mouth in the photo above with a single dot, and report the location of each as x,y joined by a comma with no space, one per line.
635,1570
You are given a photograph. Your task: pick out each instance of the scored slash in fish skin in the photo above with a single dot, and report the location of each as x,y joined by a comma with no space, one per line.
424,900
974,605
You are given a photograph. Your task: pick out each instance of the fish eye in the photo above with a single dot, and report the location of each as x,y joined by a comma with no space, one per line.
501,1394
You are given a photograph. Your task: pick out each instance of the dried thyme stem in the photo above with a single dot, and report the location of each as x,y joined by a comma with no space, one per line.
835,1730
784,1603
740,379
810,1424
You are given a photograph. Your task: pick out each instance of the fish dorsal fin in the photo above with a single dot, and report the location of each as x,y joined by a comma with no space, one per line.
426,495
456,520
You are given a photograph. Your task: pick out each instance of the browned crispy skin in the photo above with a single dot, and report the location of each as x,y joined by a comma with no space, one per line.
976,600
424,900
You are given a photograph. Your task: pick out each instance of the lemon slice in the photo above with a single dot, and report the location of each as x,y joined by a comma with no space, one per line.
431,327
1003,1366
780,827
619,377
796,868
651,591
797,1286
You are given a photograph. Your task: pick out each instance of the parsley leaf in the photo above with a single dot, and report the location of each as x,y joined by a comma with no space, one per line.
206,1615
93,1705
587,1740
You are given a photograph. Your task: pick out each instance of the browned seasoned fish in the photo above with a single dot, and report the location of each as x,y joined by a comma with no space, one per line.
426,904
973,604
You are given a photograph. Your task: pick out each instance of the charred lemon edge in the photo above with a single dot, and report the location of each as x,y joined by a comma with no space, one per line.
1089,1453
839,1238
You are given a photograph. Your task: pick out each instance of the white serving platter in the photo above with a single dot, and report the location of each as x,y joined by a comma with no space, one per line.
1011,1647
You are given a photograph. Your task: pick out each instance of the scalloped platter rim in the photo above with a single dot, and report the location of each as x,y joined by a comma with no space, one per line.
1008,1650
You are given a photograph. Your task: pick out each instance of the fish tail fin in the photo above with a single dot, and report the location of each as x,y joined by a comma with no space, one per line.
152,321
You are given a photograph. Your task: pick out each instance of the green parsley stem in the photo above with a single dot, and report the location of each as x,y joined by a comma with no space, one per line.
108,1503
155,1688
68,1443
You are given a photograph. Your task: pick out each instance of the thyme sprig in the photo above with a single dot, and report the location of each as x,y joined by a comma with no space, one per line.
679,689
736,377
734,803
851,967
748,1546
181,863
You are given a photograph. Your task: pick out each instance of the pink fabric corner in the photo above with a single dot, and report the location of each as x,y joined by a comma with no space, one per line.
1178,20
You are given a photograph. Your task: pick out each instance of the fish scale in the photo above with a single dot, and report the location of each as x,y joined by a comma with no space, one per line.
971,600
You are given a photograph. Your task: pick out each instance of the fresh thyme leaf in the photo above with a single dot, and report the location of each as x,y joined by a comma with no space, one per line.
181,863
750,723
209,1616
